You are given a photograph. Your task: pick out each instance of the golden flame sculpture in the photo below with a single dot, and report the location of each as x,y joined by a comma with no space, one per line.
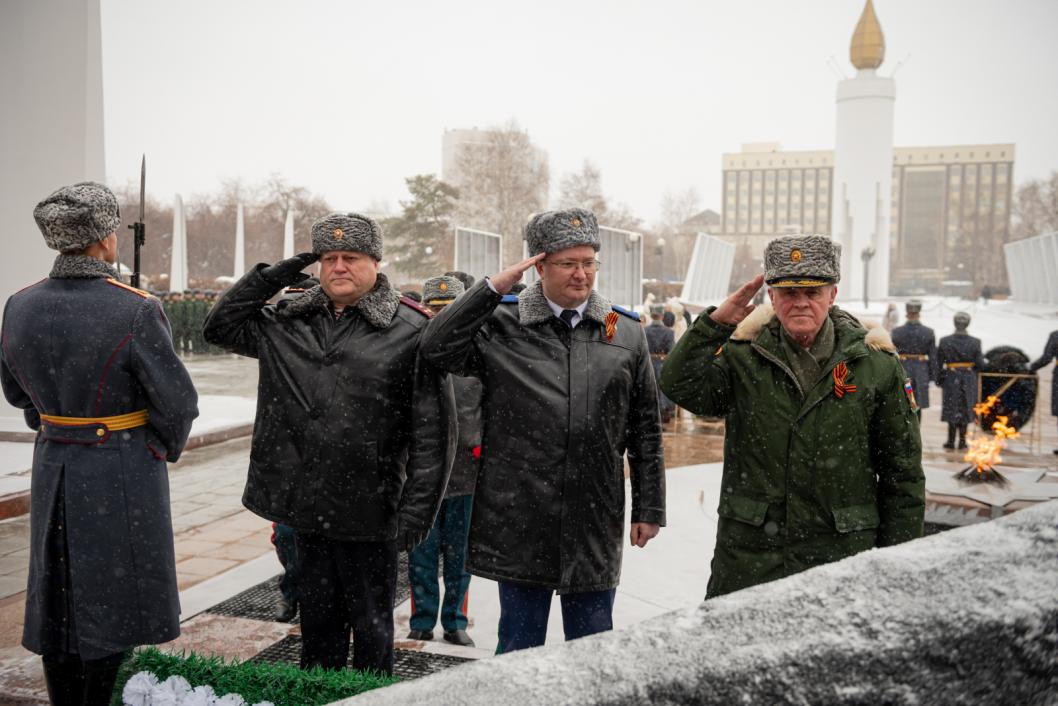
983,451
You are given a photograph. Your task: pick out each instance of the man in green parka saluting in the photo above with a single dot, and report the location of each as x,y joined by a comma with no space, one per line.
822,455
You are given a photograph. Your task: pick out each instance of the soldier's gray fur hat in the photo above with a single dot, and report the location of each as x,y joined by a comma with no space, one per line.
76,216
961,318
802,261
347,231
913,306
441,290
552,231
657,309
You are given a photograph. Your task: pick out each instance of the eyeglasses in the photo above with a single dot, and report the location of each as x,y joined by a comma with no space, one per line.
588,266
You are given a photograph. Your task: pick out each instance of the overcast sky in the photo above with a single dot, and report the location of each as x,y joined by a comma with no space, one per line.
348,98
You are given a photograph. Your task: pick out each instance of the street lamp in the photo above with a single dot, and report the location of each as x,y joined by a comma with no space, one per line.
866,255
659,250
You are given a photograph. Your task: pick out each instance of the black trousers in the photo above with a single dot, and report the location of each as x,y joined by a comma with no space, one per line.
72,681
343,586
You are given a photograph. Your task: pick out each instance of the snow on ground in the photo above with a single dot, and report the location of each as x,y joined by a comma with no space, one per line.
965,616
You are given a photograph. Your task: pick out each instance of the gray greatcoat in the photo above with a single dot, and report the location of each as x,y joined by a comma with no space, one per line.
912,340
958,384
102,574
561,408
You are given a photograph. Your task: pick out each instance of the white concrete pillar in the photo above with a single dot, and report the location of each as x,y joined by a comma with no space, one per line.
178,259
288,236
51,121
240,245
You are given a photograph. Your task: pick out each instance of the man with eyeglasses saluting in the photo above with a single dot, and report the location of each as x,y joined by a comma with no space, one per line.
568,390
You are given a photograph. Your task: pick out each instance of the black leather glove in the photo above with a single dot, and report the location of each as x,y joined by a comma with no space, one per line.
287,272
409,536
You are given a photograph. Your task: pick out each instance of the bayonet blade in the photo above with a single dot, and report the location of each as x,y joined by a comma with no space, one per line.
143,184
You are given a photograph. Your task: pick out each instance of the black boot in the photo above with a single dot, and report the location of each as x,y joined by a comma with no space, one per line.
99,678
962,436
286,610
951,437
64,677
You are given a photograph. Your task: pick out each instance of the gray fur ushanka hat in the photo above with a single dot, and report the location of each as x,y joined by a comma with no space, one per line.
347,231
552,231
802,261
441,290
76,216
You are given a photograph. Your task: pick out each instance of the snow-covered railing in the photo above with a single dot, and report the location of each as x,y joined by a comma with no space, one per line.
966,616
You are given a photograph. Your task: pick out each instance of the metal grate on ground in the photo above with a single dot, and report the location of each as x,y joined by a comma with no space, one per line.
407,664
259,602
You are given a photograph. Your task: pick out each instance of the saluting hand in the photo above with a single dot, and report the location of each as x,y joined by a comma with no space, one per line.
737,306
287,272
503,281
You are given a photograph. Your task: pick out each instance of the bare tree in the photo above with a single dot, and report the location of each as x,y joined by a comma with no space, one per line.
676,208
501,181
583,189
1036,208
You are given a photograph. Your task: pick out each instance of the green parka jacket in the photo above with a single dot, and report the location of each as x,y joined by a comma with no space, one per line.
808,479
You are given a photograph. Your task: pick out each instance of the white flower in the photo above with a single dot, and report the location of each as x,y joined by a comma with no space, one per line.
177,685
264,703
138,689
200,696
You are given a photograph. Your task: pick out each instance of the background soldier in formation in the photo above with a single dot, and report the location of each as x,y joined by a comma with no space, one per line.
352,440
568,389
917,347
90,362
448,537
958,361
822,457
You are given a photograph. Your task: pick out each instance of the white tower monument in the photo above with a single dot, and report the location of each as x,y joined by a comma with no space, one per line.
863,165
51,121
240,244
178,259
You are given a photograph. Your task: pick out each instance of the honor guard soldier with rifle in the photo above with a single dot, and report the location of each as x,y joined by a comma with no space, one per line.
90,361
958,362
917,347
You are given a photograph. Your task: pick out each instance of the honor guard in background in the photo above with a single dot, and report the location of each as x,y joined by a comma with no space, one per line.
568,391
958,361
822,457
1050,353
448,537
90,362
353,436
917,347
660,340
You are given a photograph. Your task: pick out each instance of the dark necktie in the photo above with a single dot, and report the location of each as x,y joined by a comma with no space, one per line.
567,316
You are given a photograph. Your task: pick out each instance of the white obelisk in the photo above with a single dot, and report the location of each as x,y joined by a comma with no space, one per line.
178,264
240,245
288,236
863,164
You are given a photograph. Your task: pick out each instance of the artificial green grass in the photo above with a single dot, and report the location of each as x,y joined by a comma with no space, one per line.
282,684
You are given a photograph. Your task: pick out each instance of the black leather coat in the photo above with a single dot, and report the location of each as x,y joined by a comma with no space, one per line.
561,407
352,428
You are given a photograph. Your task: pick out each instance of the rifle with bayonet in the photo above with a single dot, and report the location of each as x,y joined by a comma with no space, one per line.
139,228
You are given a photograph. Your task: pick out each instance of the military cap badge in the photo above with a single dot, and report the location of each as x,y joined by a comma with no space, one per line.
795,255
443,286
339,233
575,222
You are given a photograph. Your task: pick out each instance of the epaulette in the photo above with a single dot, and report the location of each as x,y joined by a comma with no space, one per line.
145,295
509,299
411,303
294,290
630,314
